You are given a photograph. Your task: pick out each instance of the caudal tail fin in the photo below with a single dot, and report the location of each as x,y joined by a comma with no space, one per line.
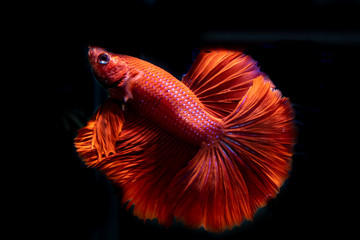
226,183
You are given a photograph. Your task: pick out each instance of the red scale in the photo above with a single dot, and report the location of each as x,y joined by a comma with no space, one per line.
172,105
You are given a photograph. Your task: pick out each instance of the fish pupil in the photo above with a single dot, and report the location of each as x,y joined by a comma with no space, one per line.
103,58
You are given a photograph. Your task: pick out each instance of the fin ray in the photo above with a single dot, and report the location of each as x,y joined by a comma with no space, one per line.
98,138
227,182
221,78
145,164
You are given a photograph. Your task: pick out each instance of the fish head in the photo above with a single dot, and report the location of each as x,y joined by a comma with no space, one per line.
109,68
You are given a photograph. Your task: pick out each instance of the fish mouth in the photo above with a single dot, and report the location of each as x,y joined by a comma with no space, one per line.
115,84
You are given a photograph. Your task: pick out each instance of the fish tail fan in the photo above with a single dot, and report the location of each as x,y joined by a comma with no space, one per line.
220,78
262,132
227,182
98,138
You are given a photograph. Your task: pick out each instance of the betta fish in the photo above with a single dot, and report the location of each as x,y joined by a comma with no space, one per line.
208,150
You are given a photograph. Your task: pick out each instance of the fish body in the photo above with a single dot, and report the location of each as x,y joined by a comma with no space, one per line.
209,150
165,100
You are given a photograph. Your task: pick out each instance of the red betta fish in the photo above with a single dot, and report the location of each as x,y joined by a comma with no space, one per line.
209,150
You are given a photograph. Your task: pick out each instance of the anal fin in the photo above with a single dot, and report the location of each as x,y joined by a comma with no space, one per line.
147,159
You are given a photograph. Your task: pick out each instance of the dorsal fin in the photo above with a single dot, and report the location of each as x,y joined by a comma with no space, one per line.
220,78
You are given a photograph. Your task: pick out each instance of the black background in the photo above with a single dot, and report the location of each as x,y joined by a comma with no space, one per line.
310,49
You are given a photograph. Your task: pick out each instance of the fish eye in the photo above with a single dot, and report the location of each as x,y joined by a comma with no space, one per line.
103,58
